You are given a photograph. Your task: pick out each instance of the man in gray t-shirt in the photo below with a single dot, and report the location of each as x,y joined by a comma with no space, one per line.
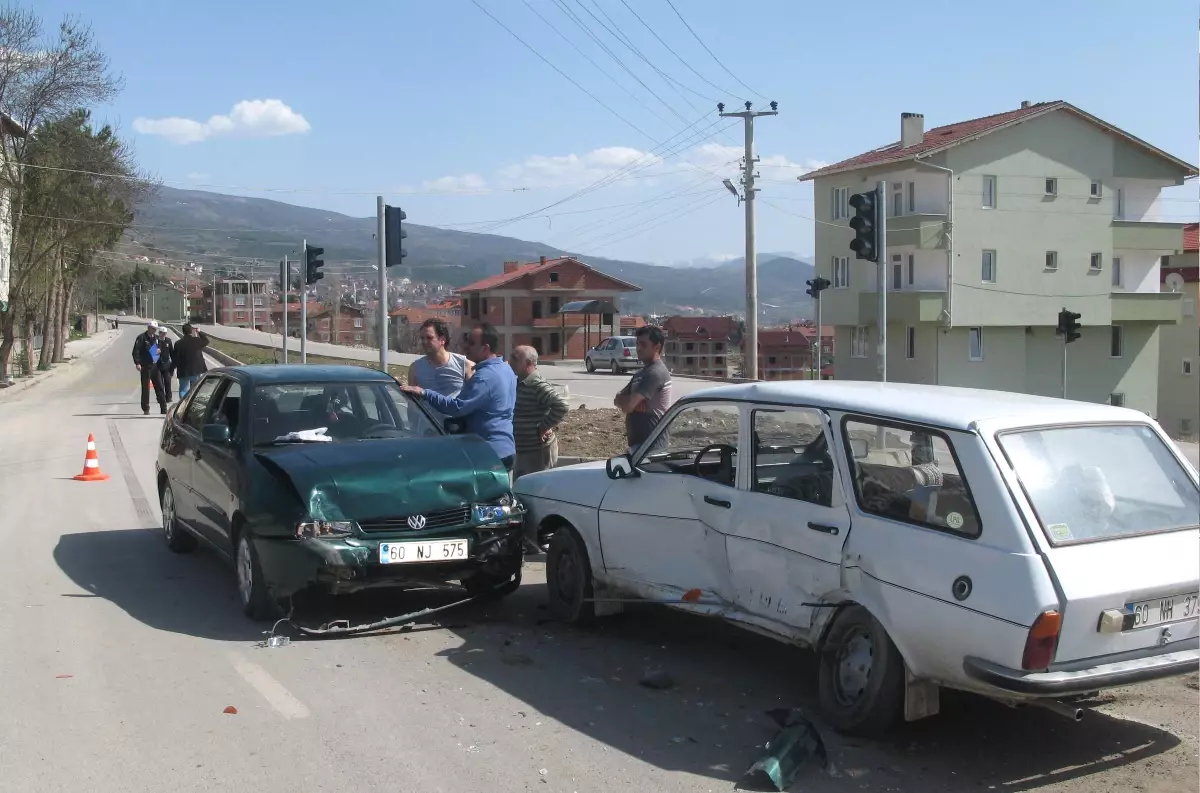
646,398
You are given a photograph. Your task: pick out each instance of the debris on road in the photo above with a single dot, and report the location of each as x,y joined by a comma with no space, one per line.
63,677
657,679
230,709
796,743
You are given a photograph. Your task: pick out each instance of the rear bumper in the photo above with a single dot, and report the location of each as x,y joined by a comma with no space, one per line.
1082,681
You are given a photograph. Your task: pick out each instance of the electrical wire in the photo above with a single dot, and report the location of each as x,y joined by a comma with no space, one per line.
713,54
673,52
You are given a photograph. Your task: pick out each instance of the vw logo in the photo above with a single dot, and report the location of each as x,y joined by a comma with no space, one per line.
416,522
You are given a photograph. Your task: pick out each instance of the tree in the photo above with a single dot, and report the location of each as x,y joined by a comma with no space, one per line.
42,79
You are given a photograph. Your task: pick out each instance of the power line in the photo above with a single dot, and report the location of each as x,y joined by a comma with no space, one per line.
672,51
713,54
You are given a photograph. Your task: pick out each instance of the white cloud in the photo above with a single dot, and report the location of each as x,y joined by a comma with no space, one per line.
198,177
574,169
467,183
251,118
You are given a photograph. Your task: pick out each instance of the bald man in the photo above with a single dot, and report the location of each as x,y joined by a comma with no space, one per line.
540,408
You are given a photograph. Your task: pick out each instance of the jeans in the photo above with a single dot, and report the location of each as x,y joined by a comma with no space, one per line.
185,384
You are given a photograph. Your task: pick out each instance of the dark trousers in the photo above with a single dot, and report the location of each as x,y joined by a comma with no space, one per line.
165,374
150,374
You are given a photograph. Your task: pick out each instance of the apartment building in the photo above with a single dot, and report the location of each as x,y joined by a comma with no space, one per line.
1179,346
994,225
523,303
700,345
240,302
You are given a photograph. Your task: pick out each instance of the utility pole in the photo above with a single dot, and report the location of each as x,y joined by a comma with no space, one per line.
304,305
750,360
285,278
216,317
881,266
381,240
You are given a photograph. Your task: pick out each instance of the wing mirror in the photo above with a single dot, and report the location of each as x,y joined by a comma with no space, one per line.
215,433
619,467
859,448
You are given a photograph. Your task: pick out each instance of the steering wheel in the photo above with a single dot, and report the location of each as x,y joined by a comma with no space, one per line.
724,473
369,431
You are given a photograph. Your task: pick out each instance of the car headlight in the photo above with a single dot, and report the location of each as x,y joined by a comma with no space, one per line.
506,510
324,528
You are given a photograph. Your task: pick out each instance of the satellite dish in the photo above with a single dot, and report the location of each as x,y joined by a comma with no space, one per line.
1174,282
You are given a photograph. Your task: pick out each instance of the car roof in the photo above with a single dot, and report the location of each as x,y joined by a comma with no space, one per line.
940,406
268,374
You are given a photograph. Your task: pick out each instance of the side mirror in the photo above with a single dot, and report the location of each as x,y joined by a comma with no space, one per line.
619,467
454,426
859,448
215,433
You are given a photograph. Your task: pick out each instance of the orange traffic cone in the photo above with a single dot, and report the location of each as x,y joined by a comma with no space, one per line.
91,464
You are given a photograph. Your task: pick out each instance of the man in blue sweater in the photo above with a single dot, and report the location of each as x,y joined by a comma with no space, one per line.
487,399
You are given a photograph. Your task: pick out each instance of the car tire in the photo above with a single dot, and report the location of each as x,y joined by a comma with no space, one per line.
591,367
569,581
485,585
253,593
861,682
179,539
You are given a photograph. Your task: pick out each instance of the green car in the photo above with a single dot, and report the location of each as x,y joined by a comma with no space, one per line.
331,477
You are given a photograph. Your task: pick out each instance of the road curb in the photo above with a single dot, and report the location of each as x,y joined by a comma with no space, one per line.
40,376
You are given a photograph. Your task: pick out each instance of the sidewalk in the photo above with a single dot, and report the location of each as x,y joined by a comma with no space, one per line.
75,350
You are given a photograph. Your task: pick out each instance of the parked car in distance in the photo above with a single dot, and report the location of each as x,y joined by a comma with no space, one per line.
332,477
617,353
1028,549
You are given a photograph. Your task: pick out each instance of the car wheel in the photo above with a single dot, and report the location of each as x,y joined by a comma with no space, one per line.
569,582
178,539
486,585
253,593
591,367
861,686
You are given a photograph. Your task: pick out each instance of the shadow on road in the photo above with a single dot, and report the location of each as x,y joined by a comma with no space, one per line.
192,594
712,722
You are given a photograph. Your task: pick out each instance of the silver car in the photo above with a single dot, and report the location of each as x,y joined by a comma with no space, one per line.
617,353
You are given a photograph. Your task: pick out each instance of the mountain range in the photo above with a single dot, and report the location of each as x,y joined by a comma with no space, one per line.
208,228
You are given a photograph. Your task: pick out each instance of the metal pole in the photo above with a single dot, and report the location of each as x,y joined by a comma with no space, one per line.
382,324
286,272
216,314
304,302
881,203
819,363
751,257
1064,367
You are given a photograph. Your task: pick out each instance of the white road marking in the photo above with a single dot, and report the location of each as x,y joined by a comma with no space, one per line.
271,689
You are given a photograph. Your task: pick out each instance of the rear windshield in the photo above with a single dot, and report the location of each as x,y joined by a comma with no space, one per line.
1102,482
629,342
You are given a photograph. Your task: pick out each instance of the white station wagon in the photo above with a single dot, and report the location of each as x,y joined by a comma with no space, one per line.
1029,549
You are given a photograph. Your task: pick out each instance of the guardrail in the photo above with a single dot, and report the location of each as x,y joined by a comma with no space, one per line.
223,358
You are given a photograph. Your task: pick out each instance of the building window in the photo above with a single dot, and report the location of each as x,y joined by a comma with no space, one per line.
1097,261
259,300
536,309
1116,400
554,305
910,342
841,272
897,272
989,192
358,322
858,342
240,315
975,343
771,359
719,360
689,346
690,360
358,337
1187,367
912,198
1051,260
1116,272
912,268
240,300
555,343
554,278
988,273
840,203
483,306
719,346
1096,190
897,207
1117,342
1051,187
1119,204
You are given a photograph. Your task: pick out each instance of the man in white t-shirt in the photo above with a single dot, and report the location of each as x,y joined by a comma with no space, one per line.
440,370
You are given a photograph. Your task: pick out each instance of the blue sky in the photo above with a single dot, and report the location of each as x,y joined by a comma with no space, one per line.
435,105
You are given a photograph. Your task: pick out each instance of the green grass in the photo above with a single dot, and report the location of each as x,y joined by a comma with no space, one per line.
253,354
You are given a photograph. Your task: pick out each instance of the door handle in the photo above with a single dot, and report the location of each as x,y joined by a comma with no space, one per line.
823,527
716,502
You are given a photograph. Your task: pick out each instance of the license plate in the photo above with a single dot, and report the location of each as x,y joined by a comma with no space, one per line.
1160,610
428,551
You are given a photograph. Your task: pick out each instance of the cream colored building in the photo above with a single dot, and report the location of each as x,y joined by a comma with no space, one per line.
994,225
1179,345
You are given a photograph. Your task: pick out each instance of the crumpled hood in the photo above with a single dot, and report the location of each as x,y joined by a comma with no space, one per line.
387,478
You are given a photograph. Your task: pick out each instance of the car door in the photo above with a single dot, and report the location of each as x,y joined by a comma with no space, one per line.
785,547
187,503
664,527
216,473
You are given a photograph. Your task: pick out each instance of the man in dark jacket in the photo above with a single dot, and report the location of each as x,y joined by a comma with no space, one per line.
166,360
189,358
145,360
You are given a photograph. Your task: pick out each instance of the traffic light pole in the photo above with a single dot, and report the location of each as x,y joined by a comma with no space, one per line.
1064,368
881,202
285,275
304,306
381,235
817,356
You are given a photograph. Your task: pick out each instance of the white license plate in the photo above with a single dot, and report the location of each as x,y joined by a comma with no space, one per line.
428,551
1160,610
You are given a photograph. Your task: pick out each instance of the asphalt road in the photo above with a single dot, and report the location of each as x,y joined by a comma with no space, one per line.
119,659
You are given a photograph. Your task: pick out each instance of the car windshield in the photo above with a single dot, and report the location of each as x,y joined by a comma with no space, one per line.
335,412
629,342
1102,482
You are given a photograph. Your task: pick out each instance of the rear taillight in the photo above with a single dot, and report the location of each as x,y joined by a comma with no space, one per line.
1042,640
626,352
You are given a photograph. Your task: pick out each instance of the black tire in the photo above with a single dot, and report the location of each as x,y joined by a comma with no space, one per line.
569,582
179,539
485,584
591,367
861,687
253,594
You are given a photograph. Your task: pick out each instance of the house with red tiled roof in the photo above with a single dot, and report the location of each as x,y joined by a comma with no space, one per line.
1179,344
700,345
523,301
993,226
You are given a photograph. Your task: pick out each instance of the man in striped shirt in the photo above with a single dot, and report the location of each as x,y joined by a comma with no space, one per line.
539,409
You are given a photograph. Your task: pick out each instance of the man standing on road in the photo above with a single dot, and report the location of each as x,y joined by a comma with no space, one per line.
145,360
440,370
166,360
189,358
646,398
486,400
539,409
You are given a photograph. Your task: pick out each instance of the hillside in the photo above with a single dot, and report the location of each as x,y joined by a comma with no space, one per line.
201,226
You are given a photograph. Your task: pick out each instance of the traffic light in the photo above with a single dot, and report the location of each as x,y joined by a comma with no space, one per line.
1068,326
866,226
394,233
816,286
313,264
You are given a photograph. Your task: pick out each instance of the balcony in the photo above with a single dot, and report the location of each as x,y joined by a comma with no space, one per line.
926,232
1140,235
1161,307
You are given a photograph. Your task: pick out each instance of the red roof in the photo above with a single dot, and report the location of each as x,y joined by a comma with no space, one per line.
493,281
700,327
940,138
786,337
1191,237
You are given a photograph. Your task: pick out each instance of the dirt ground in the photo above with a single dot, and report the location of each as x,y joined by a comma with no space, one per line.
592,432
